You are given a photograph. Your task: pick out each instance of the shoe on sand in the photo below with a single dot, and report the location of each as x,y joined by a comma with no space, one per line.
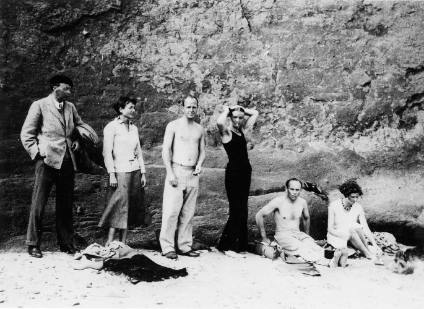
292,259
35,252
67,249
310,270
170,255
190,253
312,273
233,254
85,263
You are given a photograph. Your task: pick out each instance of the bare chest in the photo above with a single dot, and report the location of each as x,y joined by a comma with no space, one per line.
289,212
188,135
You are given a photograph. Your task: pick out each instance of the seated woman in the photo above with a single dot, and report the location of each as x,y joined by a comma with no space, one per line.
346,222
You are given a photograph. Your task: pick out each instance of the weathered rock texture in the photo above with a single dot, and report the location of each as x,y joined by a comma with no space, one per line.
339,80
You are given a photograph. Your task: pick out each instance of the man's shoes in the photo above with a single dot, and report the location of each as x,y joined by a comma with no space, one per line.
67,249
190,253
170,255
35,252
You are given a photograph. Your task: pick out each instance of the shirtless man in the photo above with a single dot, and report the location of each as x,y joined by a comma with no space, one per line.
289,209
183,153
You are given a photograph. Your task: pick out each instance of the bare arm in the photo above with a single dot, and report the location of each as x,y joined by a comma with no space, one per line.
306,219
168,140
364,224
108,142
221,122
253,116
202,153
263,212
30,130
331,223
139,155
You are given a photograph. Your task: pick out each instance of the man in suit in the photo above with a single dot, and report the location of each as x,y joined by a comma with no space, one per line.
48,135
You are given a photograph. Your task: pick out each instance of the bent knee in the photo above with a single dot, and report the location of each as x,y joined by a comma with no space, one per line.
355,230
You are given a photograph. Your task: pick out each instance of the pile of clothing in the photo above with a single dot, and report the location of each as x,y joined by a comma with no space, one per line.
119,258
387,242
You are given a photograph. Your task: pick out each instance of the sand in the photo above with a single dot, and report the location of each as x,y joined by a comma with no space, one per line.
214,281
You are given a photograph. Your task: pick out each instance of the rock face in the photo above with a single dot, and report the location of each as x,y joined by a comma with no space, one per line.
333,80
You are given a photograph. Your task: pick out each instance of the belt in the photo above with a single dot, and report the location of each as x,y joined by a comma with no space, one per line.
183,166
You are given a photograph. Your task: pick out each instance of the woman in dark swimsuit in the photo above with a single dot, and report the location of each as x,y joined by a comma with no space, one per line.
237,176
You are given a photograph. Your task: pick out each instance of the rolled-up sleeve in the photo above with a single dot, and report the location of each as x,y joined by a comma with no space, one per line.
139,155
108,140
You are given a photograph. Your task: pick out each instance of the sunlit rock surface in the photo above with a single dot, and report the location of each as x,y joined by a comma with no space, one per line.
339,86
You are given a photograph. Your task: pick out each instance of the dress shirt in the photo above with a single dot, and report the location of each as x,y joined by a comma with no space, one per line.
59,105
121,147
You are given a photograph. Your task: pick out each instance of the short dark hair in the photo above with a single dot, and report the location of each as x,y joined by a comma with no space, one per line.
235,109
192,97
293,179
60,79
122,102
350,186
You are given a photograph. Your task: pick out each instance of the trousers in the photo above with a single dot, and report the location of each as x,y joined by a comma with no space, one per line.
45,178
178,207
299,243
237,185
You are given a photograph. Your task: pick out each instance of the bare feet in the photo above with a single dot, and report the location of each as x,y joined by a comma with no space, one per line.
343,257
334,262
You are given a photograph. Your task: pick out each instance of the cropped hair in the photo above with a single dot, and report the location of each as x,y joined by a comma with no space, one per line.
59,79
191,97
293,179
235,109
122,102
350,186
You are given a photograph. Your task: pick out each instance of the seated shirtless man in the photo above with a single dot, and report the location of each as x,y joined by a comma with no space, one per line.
288,210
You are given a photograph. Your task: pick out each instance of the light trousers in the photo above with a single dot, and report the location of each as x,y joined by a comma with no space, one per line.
179,204
299,243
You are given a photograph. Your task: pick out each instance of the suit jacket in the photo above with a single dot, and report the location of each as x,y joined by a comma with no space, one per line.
46,131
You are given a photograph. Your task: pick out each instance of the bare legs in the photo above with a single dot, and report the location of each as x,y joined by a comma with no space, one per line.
111,234
357,238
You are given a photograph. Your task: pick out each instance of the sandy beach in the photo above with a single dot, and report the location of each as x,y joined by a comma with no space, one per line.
214,281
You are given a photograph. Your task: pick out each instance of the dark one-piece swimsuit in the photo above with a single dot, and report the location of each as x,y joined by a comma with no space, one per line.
237,185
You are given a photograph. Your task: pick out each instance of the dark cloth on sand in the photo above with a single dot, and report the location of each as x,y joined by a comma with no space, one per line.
140,268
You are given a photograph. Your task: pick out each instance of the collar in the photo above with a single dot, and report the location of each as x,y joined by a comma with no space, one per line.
121,121
59,105
345,207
